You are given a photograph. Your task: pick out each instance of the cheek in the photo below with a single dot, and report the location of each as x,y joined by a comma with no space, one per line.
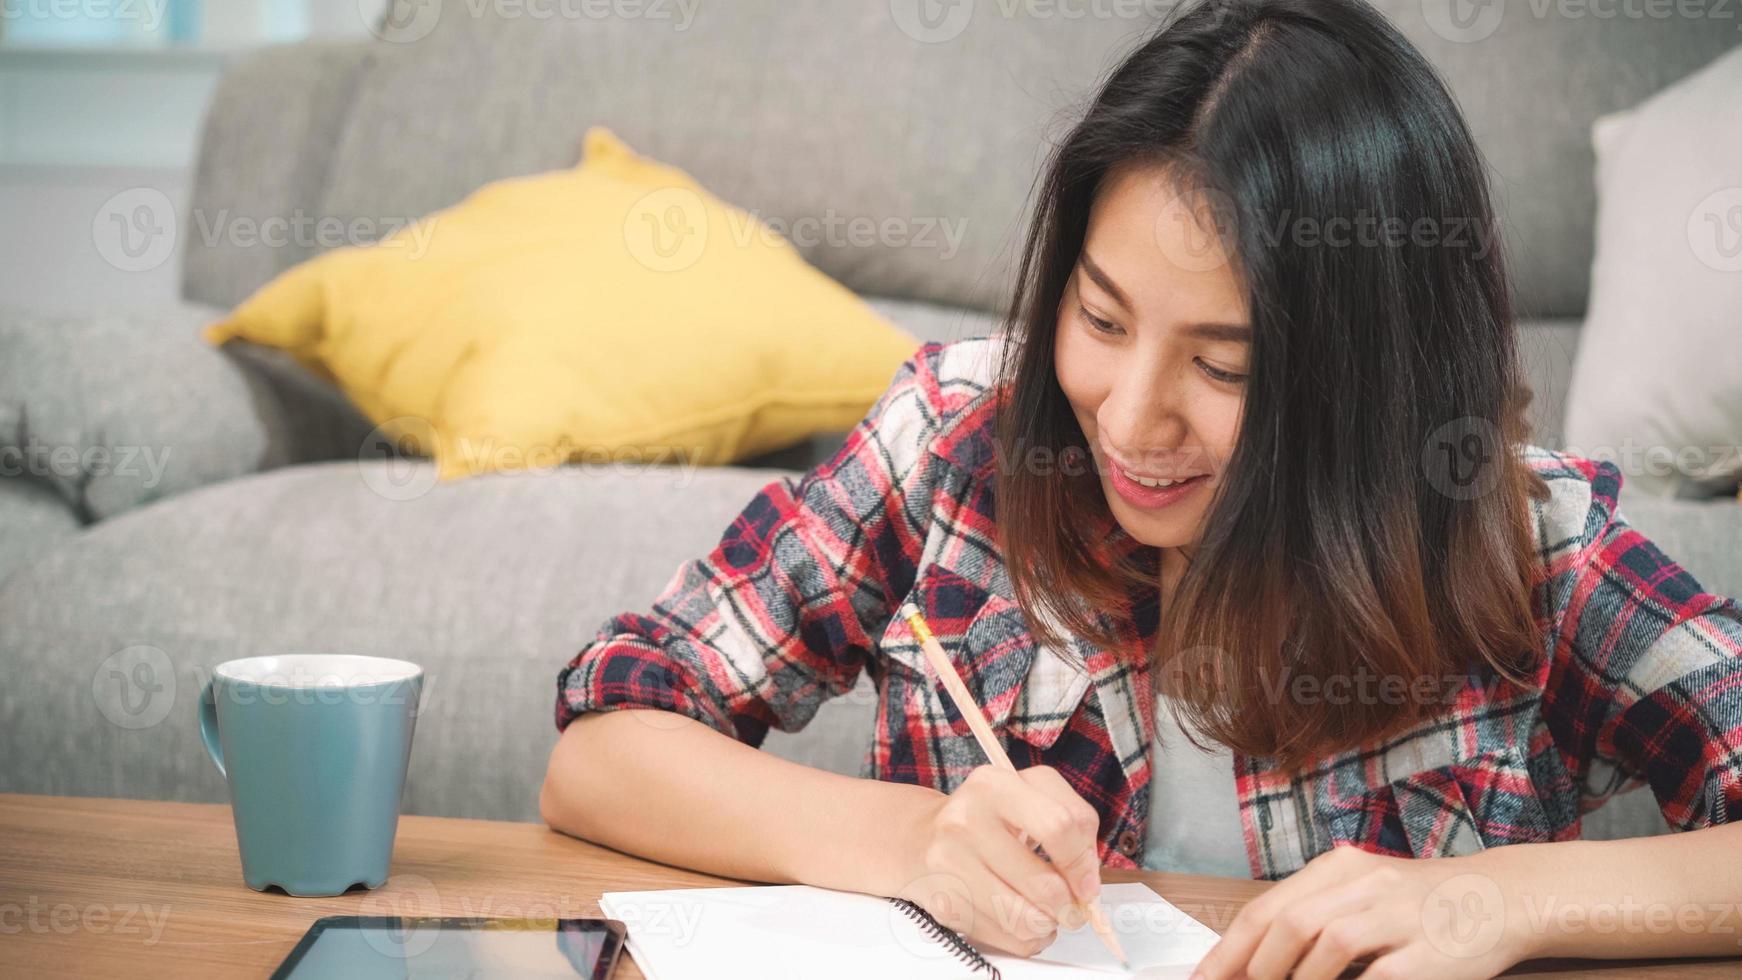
1218,424
1082,375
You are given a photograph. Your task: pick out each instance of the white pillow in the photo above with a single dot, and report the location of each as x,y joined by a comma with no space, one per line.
1657,385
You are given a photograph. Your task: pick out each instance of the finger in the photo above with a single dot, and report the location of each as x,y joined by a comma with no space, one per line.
1003,918
1049,823
1344,940
1228,958
1294,930
1404,962
1084,871
1024,871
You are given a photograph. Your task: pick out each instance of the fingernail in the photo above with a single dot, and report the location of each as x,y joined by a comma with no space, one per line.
1089,885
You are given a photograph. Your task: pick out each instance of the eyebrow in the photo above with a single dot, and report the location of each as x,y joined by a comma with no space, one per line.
1230,332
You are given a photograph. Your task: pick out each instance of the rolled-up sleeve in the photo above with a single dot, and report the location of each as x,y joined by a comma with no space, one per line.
784,612
1648,689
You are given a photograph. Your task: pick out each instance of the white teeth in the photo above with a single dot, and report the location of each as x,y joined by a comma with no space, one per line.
1155,483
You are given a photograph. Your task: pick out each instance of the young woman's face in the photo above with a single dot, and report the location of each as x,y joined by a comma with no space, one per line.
1152,349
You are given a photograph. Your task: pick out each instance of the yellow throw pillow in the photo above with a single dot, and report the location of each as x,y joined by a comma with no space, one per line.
609,312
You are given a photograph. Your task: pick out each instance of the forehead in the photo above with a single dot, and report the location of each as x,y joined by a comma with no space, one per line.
1156,239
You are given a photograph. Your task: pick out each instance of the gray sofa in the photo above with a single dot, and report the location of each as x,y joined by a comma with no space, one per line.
254,514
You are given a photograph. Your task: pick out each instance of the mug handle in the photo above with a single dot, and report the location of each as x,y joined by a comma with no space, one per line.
209,728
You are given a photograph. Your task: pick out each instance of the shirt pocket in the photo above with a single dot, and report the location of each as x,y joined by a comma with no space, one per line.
1486,800
1026,689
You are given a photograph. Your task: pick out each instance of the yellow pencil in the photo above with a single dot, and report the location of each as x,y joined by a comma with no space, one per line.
965,704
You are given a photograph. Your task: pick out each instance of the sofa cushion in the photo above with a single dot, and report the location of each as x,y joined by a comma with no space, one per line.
490,583
1658,384
33,517
115,411
516,330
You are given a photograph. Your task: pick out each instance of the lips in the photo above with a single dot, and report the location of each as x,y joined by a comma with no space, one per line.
1153,492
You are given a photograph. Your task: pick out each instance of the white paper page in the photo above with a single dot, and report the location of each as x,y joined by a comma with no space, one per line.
796,931
1160,941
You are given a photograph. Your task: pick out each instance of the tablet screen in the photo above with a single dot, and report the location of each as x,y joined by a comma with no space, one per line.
364,948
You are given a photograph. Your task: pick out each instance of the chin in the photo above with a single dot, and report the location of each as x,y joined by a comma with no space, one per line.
1158,530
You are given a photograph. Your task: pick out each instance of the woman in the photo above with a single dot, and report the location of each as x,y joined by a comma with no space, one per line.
1236,536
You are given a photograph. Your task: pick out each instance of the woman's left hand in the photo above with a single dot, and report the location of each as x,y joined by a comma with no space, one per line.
1434,917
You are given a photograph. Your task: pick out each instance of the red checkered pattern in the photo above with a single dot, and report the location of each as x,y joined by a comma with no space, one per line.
1641,685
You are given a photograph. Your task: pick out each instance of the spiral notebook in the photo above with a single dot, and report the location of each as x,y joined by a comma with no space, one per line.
772,932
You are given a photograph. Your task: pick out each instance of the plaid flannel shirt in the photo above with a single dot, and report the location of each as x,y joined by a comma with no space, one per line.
1641,682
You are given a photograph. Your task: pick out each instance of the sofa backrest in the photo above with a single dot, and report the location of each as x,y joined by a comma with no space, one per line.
896,141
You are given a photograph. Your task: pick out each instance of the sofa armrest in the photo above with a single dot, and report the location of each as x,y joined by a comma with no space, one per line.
112,412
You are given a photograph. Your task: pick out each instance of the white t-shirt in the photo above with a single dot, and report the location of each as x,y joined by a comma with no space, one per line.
1194,813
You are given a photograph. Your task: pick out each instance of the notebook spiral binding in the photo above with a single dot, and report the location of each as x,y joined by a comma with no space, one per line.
957,946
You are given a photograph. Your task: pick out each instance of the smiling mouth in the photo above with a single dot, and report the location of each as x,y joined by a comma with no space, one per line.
1157,482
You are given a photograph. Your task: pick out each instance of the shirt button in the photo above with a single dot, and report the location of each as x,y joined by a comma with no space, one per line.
1128,842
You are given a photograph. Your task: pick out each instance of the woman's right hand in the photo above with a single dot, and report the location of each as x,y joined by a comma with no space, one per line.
969,869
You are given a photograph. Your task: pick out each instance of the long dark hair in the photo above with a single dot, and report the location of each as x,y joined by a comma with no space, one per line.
1374,515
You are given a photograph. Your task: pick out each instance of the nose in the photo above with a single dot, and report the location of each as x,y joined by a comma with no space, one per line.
1142,419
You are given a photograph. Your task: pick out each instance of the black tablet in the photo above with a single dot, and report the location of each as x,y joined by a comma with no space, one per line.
350,947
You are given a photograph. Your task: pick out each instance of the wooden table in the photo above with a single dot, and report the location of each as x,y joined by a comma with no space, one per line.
127,888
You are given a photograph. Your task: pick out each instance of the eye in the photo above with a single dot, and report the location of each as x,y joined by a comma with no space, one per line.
1217,374
1104,326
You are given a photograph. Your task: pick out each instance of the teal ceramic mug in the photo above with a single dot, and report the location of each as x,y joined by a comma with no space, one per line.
314,748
